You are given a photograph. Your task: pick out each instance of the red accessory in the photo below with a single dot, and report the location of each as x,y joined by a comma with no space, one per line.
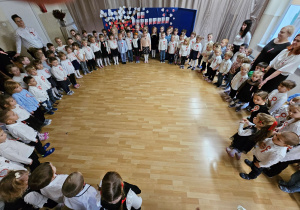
273,126
122,184
123,200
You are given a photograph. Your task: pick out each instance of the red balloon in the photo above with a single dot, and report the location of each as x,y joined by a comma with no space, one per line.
48,1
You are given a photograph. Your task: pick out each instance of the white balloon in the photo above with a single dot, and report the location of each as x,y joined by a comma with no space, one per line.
139,9
162,9
106,20
147,11
173,18
124,7
105,14
171,15
143,8
171,23
101,11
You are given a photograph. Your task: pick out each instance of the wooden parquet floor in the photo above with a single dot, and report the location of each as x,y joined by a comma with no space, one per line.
163,129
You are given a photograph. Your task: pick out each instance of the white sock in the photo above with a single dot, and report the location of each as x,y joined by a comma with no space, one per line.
105,61
147,57
117,60
55,91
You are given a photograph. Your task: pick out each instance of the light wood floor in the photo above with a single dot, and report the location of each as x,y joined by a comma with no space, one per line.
163,129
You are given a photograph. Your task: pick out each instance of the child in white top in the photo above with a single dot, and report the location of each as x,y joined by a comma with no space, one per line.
8,165
18,76
215,63
78,194
196,48
146,45
105,37
205,55
179,42
162,47
184,52
60,47
238,80
123,193
113,48
74,60
270,152
128,40
206,42
282,113
89,55
175,32
172,47
40,94
224,68
161,31
61,76
95,46
192,42
80,55
25,133
279,96
293,124
9,103
242,50
69,68
45,180
104,49
18,151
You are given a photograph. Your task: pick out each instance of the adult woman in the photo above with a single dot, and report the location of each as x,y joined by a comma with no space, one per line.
244,36
291,186
283,65
274,47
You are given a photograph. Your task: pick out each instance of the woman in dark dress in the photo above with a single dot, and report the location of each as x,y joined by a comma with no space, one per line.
274,47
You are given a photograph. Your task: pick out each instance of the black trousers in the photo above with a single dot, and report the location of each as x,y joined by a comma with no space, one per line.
209,70
91,64
38,146
212,74
278,168
72,79
39,114
273,83
199,60
64,85
203,66
171,58
232,93
255,171
35,161
183,58
34,122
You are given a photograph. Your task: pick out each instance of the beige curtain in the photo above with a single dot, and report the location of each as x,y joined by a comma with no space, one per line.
223,18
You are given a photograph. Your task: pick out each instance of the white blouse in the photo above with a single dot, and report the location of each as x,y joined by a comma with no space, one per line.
285,63
238,40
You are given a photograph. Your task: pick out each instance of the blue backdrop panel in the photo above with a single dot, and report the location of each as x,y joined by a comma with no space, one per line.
180,18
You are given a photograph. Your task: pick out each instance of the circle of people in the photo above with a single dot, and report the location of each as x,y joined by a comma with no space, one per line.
34,87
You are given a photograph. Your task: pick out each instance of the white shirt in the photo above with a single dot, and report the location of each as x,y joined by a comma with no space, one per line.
276,100
95,47
285,63
7,165
163,44
29,37
39,93
21,112
184,50
89,54
238,80
129,42
238,40
44,72
205,44
58,72
71,56
20,78
179,43
281,114
270,155
216,61
225,66
291,126
197,47
112,44
87,199
53,189
172,47
61,49
192,42
22,132
80,53
68,66
42,81
16,151
176,38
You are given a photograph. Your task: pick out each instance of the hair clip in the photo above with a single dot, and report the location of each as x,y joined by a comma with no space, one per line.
273,126
122,184
17,175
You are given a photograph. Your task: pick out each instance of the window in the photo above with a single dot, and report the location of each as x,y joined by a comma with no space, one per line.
291,17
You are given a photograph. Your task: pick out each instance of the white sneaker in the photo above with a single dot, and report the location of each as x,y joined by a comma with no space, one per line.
47,121
70,93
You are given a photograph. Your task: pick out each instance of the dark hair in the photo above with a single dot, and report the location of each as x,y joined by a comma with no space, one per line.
77,34
41,176
67,47
36,62
248,22
245,45
104,30
75,44
13,17
290,84
49,45
262,65
72,30
70,38
52,59
183,30
3,100
27,79
48,53
30,66
94,31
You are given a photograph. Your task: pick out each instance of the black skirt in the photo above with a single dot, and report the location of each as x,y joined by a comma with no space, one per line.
243,143
273,83
97,54
76,64
193,55
114,52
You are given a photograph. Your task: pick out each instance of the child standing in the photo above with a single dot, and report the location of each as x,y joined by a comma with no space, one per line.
146,45
196,48
205,55
78,40
113,48
234,68
116,194
162,47
80,54
259,100
242,50
96,50
136,46
223,44
18,76
184,52
69,69
273,150
172,47
128,40
279,96
161,31
154,41
179,42
122,47
40,94
175,32
60,46
89,55
246,137
206,42
74,60
78,194
105,37
104,50
223,68
60,75
215,63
